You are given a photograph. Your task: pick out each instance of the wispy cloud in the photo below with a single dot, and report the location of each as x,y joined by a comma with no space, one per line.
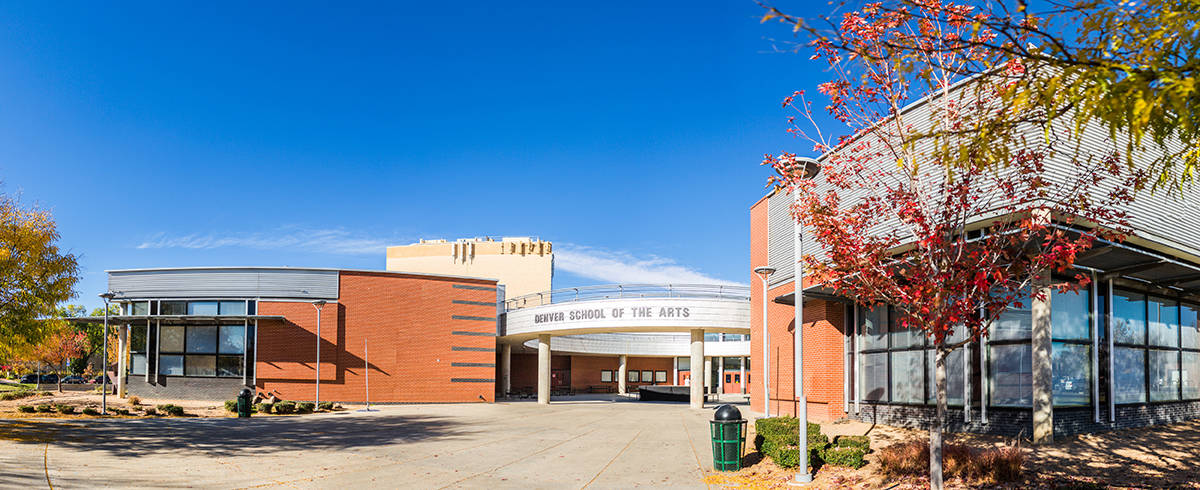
623,267
331,241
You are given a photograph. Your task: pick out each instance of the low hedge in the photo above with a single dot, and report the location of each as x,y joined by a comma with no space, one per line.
45,408
26,409
778,437
171,409
16,395
861,442
327,406
262,407
285,407
305,407
849,456
91,411
231,405
64,409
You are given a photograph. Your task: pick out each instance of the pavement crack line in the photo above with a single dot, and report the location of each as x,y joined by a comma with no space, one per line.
610,462
46,464
523,458
699,467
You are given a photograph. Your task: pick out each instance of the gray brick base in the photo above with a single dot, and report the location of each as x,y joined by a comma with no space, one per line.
179,388
1014,422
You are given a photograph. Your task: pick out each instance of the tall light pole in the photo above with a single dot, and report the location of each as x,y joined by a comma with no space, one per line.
106,296
803,477
765,272
318,304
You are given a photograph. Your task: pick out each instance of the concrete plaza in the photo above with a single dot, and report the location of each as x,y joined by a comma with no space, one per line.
572,444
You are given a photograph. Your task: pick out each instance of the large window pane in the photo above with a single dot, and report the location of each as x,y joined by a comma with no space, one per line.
733,363
139,308
685,363
201,366
1129,317
908,384
904,337
1016,322
1190,326
1164,322
173,308
202,340
874,328
233,339
232,308
1129,375
1164,375
170,365
170,338
1069,317
606,376
202,308
137,364
1071,367
1012,375
875,377
229,366
1191,375
954,377
137,338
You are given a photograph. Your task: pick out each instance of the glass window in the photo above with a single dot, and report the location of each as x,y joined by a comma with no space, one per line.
606,376
875,377
202,308
1164,322
1164,375
1069,318
903,337
139,308
137,338
170,365
229,366
1191,375
1016,322
1129,375
251,307
170,338
232,308
202,339
1190,326
137,364
200,366
647,376
684,363
874,328
908,382
633,376
1129,317
660,376
173,308
733,363
1012,375
1071,368
954,377
233,339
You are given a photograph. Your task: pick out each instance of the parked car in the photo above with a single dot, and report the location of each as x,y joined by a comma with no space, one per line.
29,379
49,378
100,379
74,380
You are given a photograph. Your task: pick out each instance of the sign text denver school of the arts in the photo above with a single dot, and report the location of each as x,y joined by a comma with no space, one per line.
604,314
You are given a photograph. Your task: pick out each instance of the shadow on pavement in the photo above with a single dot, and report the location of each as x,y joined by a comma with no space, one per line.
231,437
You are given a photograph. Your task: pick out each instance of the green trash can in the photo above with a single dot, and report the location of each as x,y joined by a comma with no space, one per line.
244,402
728,430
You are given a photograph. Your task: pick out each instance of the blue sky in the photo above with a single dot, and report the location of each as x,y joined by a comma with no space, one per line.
316,135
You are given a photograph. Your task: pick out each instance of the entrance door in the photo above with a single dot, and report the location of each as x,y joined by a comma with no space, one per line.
560,378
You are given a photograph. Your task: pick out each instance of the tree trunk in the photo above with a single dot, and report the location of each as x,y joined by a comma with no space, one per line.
935,430
39,377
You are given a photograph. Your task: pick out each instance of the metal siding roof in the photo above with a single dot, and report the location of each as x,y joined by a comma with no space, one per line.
225,283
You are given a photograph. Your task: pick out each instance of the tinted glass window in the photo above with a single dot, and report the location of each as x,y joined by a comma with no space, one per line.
874,328
229,366
1069,318
173,308
1071,365
1012,375
1190,326
1191,375
1016,322
875,377
907,376
202,339
170,365
1164,375
201,366
232,308
1129,375
954,377
202,308
1164,322
170,338
1129,317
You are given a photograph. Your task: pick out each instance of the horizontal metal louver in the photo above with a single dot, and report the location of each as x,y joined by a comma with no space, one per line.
225,283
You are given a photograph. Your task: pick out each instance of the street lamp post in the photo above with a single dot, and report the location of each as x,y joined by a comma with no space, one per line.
765,272
318,304
803,476
106,296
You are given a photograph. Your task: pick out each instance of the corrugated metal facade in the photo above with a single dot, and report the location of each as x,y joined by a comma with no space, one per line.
225,283
1168,218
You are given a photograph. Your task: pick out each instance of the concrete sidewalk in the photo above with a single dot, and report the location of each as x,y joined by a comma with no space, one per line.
586,443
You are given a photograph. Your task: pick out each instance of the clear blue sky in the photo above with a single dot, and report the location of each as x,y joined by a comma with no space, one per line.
315,135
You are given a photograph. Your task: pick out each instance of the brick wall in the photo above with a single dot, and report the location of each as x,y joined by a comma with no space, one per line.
423,346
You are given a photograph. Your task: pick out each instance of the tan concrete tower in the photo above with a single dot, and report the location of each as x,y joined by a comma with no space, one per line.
523,265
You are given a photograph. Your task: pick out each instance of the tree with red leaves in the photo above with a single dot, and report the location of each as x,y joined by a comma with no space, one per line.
906,214
60,346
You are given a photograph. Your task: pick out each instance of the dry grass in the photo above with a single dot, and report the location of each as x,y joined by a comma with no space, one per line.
986,466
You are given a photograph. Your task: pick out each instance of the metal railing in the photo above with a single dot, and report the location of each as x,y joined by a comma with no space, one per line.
622,291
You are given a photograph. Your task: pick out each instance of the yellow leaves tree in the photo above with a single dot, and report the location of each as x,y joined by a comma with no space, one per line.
35,275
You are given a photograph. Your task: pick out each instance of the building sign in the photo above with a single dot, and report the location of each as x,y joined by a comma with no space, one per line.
617,313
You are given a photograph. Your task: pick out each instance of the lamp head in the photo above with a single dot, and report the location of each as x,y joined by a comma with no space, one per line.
107,295
764,271
319,303
811,167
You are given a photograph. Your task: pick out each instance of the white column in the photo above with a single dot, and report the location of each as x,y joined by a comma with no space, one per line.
505,369
622,377
708,387
543,369
697,392
743,375
674,370
122,353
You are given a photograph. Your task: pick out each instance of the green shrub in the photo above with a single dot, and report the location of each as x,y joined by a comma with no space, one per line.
262,407
861,442
325,406
848,456
231,405
65,409
305,407
45,408
150,411
91,411
16,395
26,409
121,411
171,409
778,438
285,407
